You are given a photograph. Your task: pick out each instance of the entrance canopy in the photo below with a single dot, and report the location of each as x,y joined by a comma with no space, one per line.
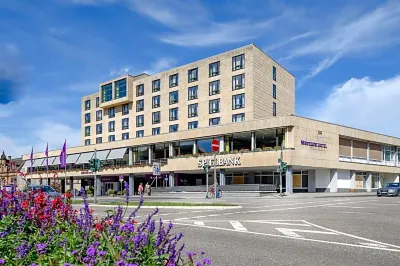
85,157
117,154
72,158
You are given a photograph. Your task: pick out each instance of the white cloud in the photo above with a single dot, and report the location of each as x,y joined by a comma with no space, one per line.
363,103
290,40
161,64
119,72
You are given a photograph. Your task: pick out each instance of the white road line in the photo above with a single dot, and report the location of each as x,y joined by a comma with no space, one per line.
199,217
300,239
351,207
198,223
353,236
373,245
238,226
359,212
280,223
292,232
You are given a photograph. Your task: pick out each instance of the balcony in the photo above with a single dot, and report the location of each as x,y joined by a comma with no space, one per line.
115,102
350,159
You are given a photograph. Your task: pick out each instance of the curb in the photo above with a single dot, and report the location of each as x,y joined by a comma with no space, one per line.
169,207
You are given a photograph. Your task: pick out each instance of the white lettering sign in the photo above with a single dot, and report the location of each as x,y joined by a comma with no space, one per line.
219,162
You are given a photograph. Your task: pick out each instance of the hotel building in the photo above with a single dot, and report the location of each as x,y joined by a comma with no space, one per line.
242,98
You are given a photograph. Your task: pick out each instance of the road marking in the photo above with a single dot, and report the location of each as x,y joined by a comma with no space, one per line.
288,233
373,245
238,226
350,207
300,239
198,223
280,223
291,232
199,217
359,212
353,236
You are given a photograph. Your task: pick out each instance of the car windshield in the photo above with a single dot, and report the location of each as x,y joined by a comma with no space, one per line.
393,185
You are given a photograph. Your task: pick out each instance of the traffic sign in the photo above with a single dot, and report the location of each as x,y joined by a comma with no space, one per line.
215,145
121,178
156,169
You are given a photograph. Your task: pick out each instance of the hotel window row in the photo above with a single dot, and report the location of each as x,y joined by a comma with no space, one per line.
120,91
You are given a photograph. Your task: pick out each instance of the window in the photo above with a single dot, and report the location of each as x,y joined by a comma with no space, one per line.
140,120
237,62
139,133
99,129
125,123
99,140
214,121
214,106
192,75
274,73
192,110
238,117
140,90
173,80
111,112
87,131
173,97
192,93
238,101
125,109
87,105
139,105
111,138
97,102
214,69
87,142
214,87
156,117
99,115
156,131
156,85
125,135
173,128
274,109
87,118
274,91
106,92
156,101
111,126
120,88
238,82
193,124
173,114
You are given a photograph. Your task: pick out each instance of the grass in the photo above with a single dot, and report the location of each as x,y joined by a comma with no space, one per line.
159,204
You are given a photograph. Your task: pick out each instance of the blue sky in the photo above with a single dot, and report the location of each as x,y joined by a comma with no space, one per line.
345,56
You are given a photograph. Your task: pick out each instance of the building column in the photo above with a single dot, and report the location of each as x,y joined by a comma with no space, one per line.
71,183
253,141
333,180
222,181
171,179
367,151
131,185
368,182
195,146
351,148
150,150
130,156
352,179
98,188
289,180
311,181
222,144
171,149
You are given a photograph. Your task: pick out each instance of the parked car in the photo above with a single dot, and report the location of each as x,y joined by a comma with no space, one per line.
46,189
390,189
8,188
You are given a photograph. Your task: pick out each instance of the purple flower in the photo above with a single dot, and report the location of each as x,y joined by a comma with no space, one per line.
74,252
118,238
120,263
67,264
102,253
199,264
23,250
2,261
85,259
41,248
91,251
126,192
33,264
132,264
207,261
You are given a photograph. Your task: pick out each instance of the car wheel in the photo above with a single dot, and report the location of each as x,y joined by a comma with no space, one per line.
379,195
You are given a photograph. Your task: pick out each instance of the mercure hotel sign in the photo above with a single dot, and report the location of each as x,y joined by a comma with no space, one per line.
313,144
219,162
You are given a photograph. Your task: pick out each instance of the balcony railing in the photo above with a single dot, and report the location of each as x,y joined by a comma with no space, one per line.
353,159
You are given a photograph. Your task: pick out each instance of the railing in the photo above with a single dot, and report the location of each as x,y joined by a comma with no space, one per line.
352,159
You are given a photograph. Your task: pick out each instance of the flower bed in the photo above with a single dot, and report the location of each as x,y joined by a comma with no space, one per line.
38,230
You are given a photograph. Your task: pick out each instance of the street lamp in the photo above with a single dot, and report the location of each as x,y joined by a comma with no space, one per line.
206,168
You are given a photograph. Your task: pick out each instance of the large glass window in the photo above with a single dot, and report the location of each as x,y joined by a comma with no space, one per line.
237,62
99,128
111,112
139,120
156,117
99,115
214,87
173,114
238,117
139,133
156,85
173,97
173,128
238,82
192,75
388,153
192,93
274,73
87,131
111,126
156,131
375,180
274,91
173,80
139,105
87,142
274,109
140,90
120,88
193,124
214,121
192,110
214,69
97,102
125,123
106,91
238,101
87,105
156,101
125,135
111,138
214,106
87,118
125,109
99,140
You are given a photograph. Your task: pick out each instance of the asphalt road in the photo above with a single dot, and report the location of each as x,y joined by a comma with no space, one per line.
292,231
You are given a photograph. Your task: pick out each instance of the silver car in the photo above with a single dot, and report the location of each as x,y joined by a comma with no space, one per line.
390,189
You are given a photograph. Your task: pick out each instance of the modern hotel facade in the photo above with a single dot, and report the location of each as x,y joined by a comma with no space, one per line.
244,99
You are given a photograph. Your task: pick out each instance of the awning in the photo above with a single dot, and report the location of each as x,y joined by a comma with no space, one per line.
26,164
85,157
38,162
102,155
117,154
55,160
72,158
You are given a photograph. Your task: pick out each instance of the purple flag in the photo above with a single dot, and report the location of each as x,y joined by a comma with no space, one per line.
47,157
63,155
31,159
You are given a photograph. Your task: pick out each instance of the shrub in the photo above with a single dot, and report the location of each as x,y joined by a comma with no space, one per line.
110,192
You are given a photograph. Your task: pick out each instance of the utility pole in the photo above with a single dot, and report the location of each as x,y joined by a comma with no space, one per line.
95,176
206,168
282,167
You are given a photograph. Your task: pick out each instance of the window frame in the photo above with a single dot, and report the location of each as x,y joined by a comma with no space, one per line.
98,132
192,123
273,108
153,130
87,131
126,134
87,118
274,91
113,113
171,78
159,101
109,127
125,112
212,119
138,107
171,118
234,61
218,100
97,140
87,105
139,90
273,73
137,121
154,121
118,88
106,96
210,87
99,118
87,142
190,75
243,100
195,96
236,115
127,124
190,107
140,131
242,83
153,87
177,98
97,102
177,128
109,138
214,74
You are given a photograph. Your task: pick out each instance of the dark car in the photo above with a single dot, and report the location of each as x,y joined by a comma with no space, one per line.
46,189
390,189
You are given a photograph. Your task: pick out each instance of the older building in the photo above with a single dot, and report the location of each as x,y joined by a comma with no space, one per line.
8,169
243,99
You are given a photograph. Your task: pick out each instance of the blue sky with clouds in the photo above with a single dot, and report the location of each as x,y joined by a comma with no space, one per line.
345,56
